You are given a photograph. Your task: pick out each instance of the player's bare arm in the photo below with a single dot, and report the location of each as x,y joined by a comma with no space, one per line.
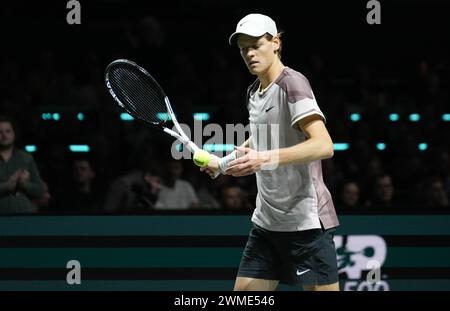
317,146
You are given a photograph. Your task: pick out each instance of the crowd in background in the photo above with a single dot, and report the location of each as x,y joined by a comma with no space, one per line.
129,167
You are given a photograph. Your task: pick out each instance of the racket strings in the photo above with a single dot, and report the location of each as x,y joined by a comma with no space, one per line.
139,93
139,98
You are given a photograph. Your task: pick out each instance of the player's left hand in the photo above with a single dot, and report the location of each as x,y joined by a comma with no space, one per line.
213,166
250,162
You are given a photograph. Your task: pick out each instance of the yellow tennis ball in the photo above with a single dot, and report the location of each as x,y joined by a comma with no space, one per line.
201,158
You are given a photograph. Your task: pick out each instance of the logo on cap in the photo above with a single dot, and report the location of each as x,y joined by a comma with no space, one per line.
240,25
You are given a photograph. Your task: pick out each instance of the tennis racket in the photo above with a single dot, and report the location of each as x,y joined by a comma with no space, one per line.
138,93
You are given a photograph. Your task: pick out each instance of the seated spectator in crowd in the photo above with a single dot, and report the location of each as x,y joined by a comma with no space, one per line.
176,193
207,192
349,195
20,181
234,198
134,191
381,192
435,195
332,175
372,168
81,194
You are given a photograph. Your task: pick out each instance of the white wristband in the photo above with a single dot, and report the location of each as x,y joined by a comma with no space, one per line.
223,162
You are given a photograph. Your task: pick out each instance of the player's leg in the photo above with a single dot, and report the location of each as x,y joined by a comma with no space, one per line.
260,266
325,287
251,284
324,261
311,260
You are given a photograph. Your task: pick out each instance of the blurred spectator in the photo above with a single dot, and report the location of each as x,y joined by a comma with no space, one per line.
176,193
381,192
435,195
234,198
427,81
210,191
369,171
439,165
20,181
207,192
331,175
349,195
134,191
80,195
54,164
374,167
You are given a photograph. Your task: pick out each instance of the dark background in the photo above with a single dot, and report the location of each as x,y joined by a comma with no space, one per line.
399,66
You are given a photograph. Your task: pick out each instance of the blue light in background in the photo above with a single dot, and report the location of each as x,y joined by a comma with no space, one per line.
423,146
394,117
218,147
126,117
161,116
355,117
446,117
201,116
30,148
46,116
341,146
56,116
80,116
381,146
414,117
79,148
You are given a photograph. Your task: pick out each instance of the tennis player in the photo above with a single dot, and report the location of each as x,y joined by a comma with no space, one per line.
294,220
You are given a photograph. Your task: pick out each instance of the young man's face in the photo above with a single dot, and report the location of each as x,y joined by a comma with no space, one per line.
82,172
7,135
232,198
258,52
384,189
350,194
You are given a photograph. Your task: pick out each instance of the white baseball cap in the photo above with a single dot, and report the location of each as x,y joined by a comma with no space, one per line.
254,25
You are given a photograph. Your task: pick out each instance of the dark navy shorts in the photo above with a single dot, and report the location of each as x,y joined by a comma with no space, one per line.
295,258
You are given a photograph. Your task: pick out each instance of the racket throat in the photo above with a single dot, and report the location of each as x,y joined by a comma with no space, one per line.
185,140
192,147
